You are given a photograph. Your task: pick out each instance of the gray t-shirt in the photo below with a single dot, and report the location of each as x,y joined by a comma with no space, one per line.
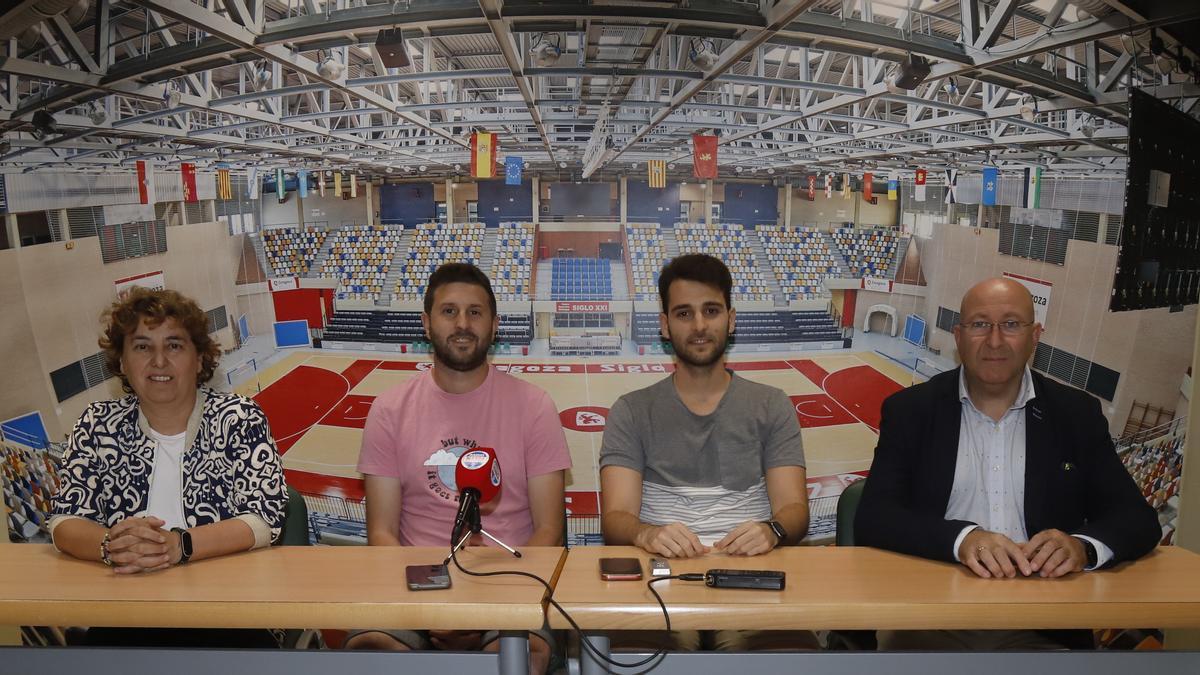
706,471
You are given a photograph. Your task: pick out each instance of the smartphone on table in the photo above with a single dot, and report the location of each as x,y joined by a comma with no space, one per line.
427,577
620,569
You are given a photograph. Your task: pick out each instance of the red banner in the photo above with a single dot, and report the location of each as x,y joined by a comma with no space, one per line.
188,172
812,188
921,176
704,156
145,174
867,179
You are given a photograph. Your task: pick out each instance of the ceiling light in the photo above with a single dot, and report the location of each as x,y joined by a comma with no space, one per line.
262,78
457,167
737,169
562,165
544,52
950,86
330,68
172,95
909,73
1089,126
703,53
43,124
671,167
97,114
1028,108
771,170
422,168
390,169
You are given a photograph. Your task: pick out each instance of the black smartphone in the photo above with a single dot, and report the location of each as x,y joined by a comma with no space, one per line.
427,577
620,569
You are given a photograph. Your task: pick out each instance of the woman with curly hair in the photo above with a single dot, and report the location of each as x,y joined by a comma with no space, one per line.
174,472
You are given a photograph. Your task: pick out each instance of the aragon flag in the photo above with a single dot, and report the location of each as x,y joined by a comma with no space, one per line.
704,156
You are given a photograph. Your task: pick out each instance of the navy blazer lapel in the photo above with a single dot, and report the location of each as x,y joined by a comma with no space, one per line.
944,449
1041,458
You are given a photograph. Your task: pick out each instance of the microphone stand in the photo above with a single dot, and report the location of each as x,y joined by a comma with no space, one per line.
469,522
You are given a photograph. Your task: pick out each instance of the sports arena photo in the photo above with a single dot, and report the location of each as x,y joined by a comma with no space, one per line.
311,276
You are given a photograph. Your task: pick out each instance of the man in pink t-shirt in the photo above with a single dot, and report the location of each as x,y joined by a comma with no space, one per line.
416,431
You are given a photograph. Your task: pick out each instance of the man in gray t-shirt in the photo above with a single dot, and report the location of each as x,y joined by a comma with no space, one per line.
703,458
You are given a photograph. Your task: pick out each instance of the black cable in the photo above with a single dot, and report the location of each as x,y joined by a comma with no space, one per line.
653,659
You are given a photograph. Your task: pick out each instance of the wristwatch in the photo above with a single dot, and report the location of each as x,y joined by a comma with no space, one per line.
777,529
185,544
1090,551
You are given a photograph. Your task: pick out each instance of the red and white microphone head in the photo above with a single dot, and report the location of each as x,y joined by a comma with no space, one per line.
479,469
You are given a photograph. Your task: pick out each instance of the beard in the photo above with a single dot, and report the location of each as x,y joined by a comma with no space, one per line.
720,344
447,356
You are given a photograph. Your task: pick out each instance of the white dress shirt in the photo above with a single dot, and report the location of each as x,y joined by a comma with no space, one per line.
989,473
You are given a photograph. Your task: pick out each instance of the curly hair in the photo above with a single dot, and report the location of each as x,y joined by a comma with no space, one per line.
156,306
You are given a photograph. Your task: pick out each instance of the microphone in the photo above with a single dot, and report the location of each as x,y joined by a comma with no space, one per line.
477,476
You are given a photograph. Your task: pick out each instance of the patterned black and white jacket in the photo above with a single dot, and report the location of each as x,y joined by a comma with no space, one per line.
231,468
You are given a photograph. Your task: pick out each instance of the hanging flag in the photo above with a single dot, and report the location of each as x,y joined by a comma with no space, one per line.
704,156
867,186
279,187
483,154
337,183
252,183
951,186
657,168
812,188
919,191
321,182
187,171
829,185
893,186
1033,188
513,166
353,185
224,186
145,174
991,185
302,183
845,186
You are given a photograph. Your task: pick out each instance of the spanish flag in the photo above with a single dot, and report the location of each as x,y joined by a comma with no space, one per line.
658,173
224,187
483,154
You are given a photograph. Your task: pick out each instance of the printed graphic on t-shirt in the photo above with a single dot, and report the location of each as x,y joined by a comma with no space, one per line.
439,473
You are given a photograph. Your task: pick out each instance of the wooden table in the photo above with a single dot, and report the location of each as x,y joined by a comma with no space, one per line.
862,588
280,587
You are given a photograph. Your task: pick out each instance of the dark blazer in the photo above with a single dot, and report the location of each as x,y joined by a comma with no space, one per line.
1074,480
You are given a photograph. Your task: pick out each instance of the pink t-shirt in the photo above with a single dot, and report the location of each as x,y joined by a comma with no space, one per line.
416,432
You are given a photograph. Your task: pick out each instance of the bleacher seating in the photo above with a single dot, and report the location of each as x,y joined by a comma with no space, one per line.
406,327
433,245
513,266
590,343
647,256
29,479
868,252
1156,466
727,242
290,250
580,279
800,258
757,327
359,258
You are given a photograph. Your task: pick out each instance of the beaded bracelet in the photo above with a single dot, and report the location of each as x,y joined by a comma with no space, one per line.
104,551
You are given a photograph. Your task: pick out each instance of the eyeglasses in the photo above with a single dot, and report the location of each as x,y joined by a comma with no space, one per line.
980,328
